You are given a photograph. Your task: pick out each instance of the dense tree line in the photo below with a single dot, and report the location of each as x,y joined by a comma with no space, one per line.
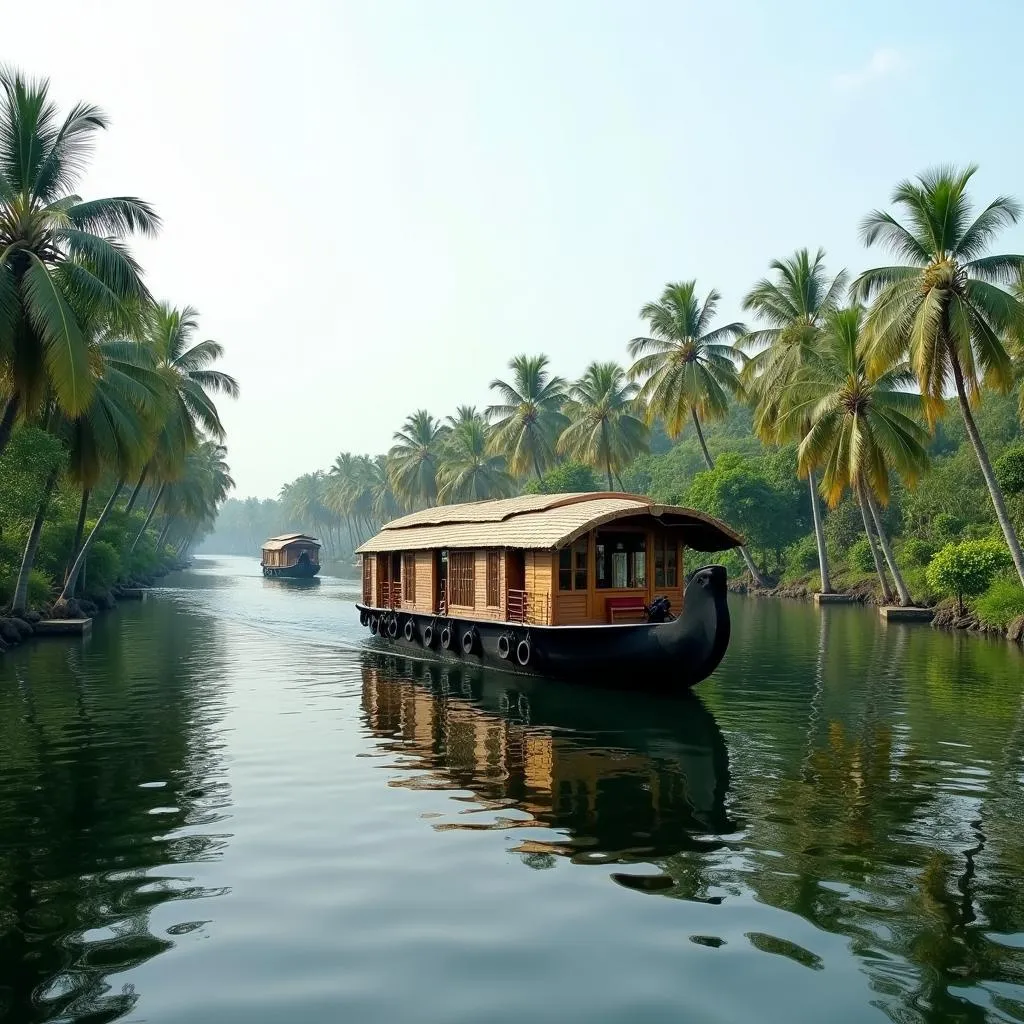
111,453
850,430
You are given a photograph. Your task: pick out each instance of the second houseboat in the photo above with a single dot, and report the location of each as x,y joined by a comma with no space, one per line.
574,585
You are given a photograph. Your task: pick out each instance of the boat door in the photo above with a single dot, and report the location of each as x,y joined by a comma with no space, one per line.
441,581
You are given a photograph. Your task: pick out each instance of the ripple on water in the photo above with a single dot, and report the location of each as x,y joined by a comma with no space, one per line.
221,808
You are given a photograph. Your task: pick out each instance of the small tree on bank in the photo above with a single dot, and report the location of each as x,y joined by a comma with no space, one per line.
967,569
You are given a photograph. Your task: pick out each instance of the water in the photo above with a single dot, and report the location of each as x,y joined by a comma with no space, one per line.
221,807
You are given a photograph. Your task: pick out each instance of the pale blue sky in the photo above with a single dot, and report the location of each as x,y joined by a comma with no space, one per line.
375,204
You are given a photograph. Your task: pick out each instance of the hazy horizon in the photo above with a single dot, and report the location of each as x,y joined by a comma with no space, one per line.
374,206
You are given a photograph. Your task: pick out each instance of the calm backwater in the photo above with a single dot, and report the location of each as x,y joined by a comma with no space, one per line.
221,807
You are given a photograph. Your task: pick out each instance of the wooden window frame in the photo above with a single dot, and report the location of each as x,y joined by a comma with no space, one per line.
494,578
369,563
408,578
663,547
579,547
462,579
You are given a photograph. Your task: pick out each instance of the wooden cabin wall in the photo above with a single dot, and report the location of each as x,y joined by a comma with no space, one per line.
425,588
540,584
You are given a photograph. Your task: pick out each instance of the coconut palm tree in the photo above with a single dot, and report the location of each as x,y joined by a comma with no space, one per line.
791,307
527,420
469,470
112,434
191,501
192,380
604,429
414,458
863,426
55,250
688,367
942,307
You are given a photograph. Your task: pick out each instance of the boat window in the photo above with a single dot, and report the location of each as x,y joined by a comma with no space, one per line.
572,566
409,578
666,562
621,561
460,578
493,589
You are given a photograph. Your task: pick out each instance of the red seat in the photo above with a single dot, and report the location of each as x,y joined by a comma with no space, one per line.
623,605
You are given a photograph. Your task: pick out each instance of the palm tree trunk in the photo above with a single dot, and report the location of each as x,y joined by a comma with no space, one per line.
69,583
536,468
608,466
79,530
138,487
865,516
994,491
819,536
8,418
901,587
32,545
700,437
163,533
755,573
149,517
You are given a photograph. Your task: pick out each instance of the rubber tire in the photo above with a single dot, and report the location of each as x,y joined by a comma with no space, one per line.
523,652
393,627
364,618
469,641
446,638
373,624
504,647
428,635
409,630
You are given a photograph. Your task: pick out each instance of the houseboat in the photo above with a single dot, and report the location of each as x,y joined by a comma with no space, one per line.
572,585
292,556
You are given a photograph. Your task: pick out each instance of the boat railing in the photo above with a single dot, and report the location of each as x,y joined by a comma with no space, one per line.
442,600
518,606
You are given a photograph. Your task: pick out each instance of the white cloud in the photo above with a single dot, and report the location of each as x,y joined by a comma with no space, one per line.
883,63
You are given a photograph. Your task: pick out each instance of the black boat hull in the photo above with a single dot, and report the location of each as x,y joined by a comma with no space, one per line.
658,656
301,571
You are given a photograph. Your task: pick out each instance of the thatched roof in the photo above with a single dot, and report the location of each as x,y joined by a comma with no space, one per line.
286,540
541,522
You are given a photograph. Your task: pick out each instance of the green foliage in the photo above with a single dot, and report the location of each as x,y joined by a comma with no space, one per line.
966,569
103,567
741,492
1001,603
40,588
25,465
568,477
918,552
802,558
1009,469
860,556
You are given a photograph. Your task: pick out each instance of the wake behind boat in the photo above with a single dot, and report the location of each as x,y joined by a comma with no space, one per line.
572,585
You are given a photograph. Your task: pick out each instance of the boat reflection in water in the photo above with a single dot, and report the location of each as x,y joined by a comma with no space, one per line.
623,778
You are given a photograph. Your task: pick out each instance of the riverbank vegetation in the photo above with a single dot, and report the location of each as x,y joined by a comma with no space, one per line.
859,433
112,461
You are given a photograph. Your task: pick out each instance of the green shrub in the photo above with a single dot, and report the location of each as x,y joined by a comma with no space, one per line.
40,587
860,556
917,551
966,569
55,547
946,526
802,557
102,567
1010,469
1001,603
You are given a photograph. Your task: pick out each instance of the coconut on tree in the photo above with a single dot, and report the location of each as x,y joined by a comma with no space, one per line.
605,429
862,426
791,307
59,253
943,307
688,367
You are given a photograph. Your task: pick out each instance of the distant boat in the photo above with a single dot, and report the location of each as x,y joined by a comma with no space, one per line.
293,556
574,585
